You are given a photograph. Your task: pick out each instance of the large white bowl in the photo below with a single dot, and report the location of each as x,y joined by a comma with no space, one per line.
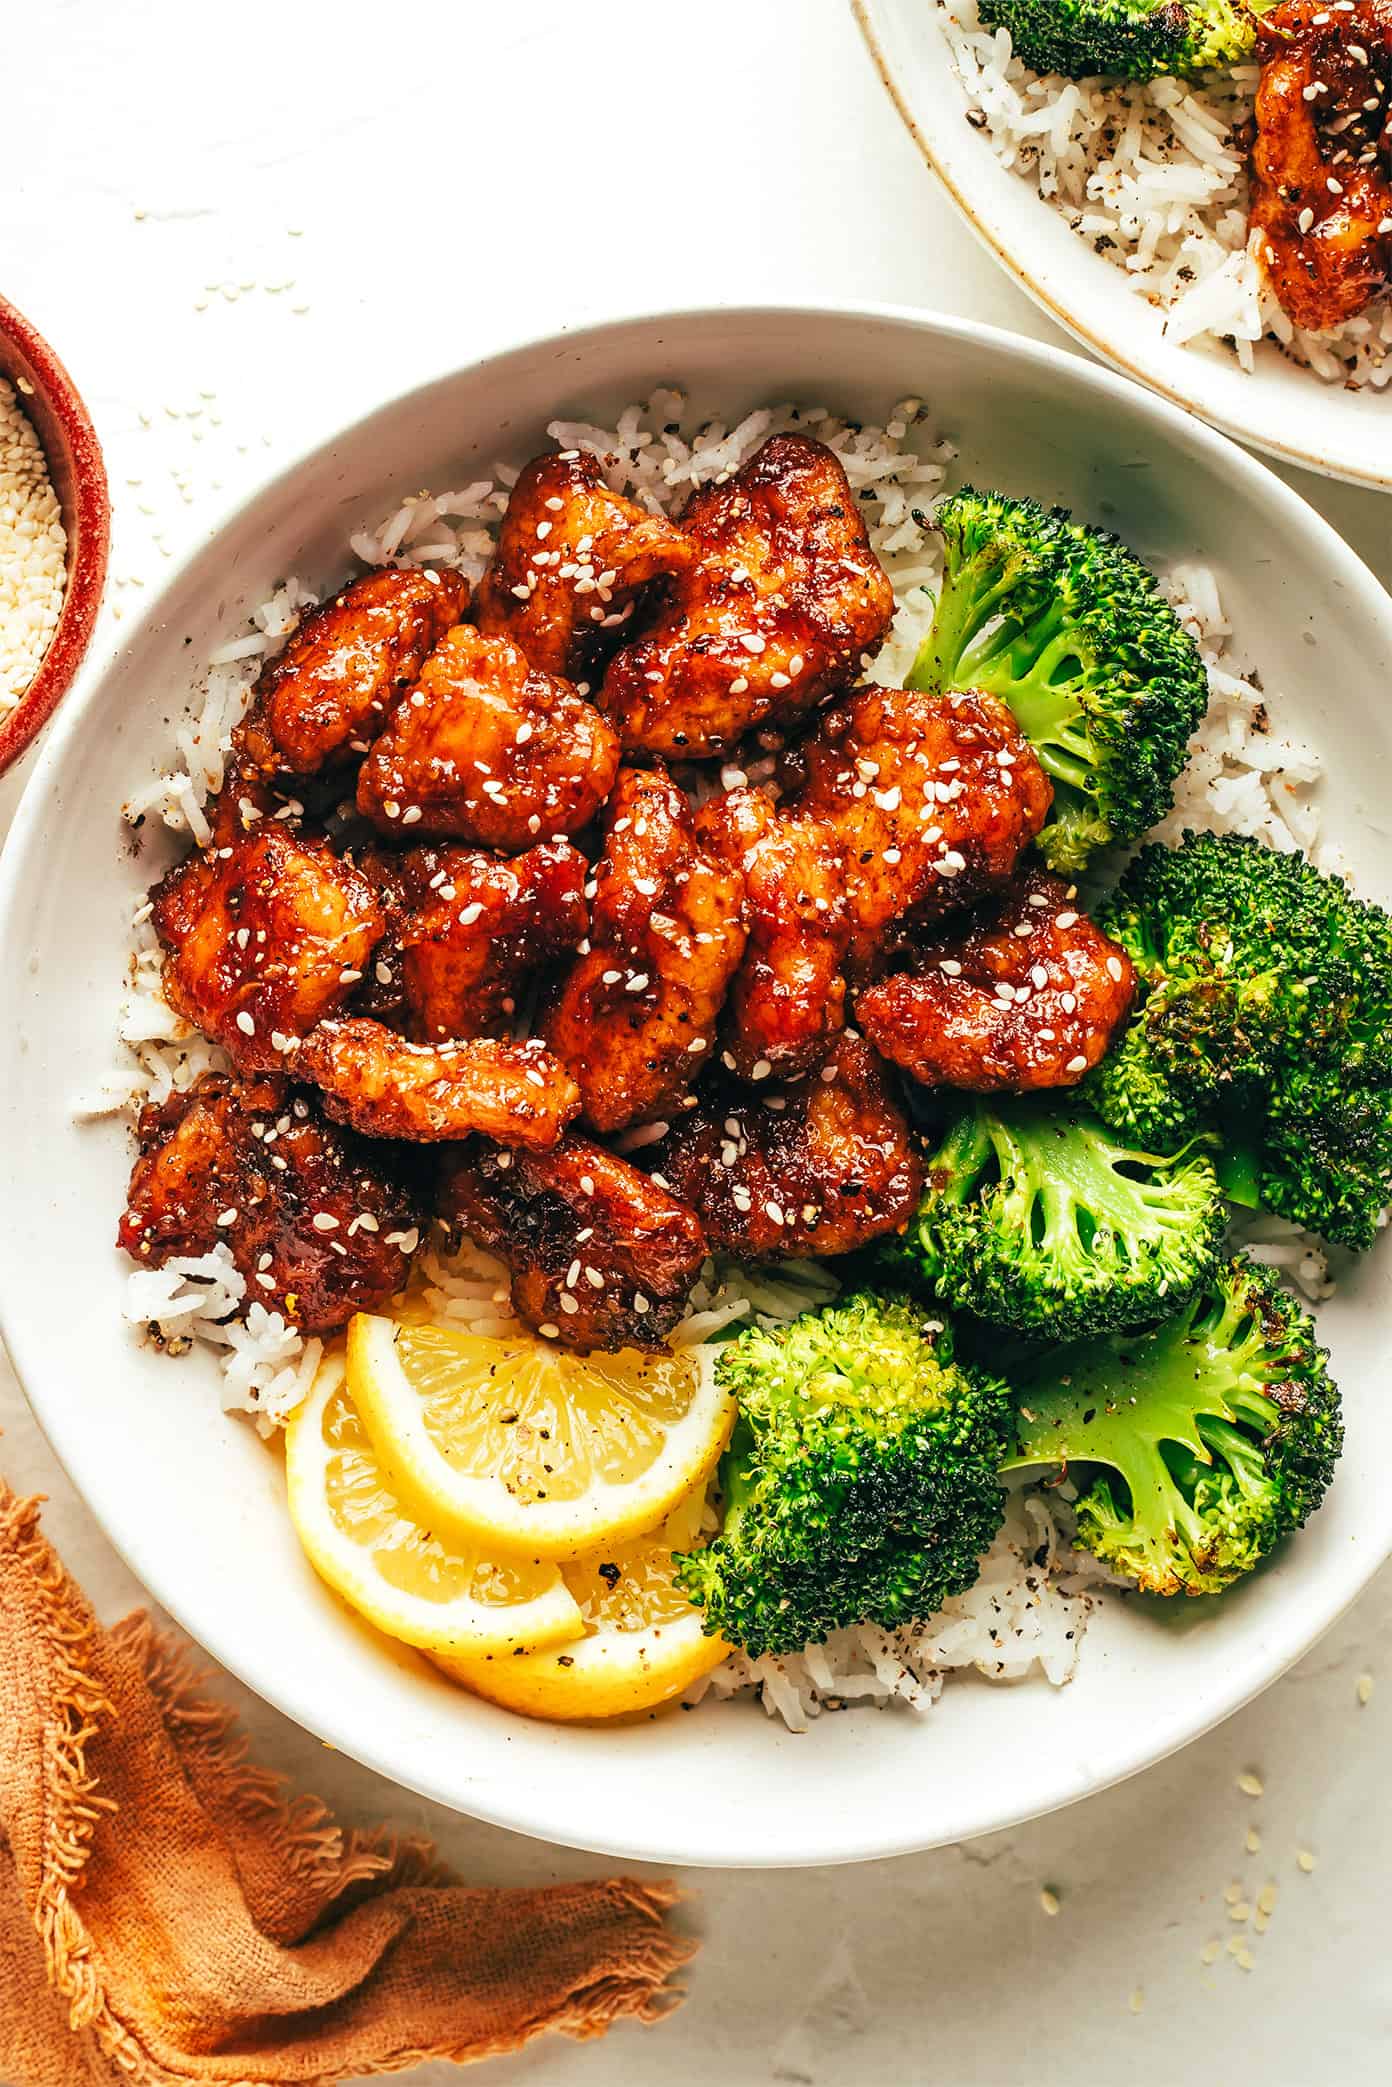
1279,407
196,1504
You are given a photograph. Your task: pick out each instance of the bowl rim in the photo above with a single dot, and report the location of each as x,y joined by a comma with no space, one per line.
88,530
536,1813
868,17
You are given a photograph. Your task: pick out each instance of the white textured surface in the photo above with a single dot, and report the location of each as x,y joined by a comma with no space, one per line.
152,156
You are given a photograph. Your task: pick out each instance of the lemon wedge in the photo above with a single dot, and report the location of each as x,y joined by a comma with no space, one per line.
642,1644
411,1581
527,1448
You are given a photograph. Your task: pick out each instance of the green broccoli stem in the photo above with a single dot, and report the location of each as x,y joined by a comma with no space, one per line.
961,1159
1238,1165
1018,663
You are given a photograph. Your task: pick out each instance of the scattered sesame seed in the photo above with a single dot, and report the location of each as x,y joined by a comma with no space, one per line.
1365,1688
1210,1952
1305,1860
1137,2000
1253,1842
1250,1783
245,1022
1049,1902
1078,1064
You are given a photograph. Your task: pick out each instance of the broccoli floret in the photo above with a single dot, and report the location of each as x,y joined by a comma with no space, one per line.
1037,1217
1265,1011
860,1483
1139,39
1065,624
1197,1445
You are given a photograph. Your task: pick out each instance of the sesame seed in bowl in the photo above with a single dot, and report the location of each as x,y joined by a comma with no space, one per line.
55,519
33,550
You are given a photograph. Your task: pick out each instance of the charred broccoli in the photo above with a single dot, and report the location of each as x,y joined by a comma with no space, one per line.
1038,1217
860,1483
1198,1445
1139,39
1066,626
1264,1010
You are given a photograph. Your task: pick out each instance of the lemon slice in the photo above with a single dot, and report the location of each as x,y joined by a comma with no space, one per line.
642,1645
410,1581
527,1447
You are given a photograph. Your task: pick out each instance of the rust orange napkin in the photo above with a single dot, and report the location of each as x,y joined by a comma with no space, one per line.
168,1914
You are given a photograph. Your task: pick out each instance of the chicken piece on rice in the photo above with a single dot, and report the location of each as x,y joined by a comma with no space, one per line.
1029,995
600,1256
487,749
1322,157
571,561
467,930
387,1087
266,935
932,797
318,1221
786,1002
785,600
328,693
635,1018
818,1168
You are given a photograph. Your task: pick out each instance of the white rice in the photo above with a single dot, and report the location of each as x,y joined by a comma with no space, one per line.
1026,1614
1151,176
1022,1615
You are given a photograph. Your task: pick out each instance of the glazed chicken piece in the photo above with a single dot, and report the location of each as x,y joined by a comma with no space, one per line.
488,750
387,1087
636,1016
932,797
600,1256
327,694
786,1002
572,558
820,1168
266,935
467,929
318,1221
1030,996
786,599
1322,158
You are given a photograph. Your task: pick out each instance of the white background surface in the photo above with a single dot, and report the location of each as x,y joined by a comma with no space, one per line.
239,227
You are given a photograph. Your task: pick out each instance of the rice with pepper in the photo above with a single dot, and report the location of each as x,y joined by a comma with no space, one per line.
1153,176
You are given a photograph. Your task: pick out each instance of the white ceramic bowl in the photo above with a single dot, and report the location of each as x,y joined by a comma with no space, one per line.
1280,408
196,1504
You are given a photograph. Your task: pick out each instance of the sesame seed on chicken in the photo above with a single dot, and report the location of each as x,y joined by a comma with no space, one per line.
266,935
1028,995
932,797
572,560
785,600
327,695
488,749
320,1223
818,1168
595,1248
635,1018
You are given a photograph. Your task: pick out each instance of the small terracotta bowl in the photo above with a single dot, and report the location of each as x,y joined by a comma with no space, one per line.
50,398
